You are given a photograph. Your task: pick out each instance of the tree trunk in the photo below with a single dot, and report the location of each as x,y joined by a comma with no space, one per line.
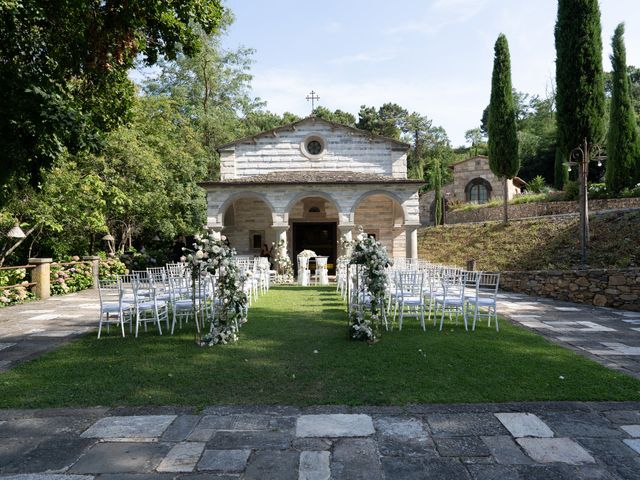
505,199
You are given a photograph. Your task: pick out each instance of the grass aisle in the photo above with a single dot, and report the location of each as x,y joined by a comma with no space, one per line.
275,363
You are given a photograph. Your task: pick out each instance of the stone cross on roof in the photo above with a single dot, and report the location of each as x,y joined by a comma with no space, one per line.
313,97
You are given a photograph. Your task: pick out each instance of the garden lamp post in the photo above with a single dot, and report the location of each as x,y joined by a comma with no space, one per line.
581,156
16,232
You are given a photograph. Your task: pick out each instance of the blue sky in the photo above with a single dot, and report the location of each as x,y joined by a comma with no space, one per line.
431,56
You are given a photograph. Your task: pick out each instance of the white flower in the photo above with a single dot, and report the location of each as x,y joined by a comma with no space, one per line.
216,236
199,254
183,258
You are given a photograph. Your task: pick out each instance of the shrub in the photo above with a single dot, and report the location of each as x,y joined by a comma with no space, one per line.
70,278
598,190
630,192
13,295
109,268
537,185
571,190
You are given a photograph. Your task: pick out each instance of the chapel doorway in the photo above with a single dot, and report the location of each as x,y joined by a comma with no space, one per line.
321,237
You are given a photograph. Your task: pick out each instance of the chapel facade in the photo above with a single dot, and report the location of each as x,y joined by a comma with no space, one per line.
311,183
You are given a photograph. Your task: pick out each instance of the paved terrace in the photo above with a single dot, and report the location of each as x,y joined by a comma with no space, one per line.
497,441
611,337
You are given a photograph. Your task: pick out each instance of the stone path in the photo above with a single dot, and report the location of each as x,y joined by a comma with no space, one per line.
506,441
609,336
31,329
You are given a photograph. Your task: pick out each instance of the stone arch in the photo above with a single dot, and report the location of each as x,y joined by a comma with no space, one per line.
478,182
393,196
314,193
240,195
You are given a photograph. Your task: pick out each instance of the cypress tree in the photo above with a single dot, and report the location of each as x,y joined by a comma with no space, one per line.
580,99
436,181
622,144
503,136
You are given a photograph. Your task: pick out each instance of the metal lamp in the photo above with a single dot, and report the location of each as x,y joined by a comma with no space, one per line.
16,232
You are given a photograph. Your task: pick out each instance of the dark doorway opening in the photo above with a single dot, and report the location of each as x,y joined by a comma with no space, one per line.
319,237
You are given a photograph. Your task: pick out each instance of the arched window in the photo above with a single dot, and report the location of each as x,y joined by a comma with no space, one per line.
478,190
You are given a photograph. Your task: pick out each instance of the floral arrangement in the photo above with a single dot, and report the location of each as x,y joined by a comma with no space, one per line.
307,253
212,254
18,294
72,277
282,262
372,259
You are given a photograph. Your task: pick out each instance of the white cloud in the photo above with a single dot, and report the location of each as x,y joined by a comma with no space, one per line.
441,14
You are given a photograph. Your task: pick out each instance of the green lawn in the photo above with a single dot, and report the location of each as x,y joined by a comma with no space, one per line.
275,363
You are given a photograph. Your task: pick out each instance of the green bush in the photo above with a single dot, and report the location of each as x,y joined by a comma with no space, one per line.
13,295
537,185
571,190
135,260
109,268
630,192
70,278
598,190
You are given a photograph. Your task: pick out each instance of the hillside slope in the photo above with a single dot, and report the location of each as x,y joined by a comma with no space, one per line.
535,244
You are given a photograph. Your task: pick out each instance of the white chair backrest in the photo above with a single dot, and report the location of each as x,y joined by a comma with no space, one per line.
409,282
321,262
488,283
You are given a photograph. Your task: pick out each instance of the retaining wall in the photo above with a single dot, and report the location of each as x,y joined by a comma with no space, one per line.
617,288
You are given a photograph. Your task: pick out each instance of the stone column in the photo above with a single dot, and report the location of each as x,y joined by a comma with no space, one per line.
95,268
281,235
412,241
41,275
346,232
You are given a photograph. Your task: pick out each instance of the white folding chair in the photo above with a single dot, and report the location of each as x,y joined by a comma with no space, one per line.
452,298
485,297
321,273
111,303
409,295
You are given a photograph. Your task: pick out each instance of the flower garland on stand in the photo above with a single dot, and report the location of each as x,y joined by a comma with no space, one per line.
212,254
283,264
371,258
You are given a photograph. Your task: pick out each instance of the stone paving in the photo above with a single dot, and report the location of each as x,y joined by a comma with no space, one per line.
556,440
606,335
31,329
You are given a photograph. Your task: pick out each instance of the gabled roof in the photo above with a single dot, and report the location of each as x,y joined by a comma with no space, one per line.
475,157
312,176
292,126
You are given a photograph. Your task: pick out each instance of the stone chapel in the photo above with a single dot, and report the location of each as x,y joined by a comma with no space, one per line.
310,183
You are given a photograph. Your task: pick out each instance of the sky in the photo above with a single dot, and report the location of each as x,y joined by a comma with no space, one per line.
434,57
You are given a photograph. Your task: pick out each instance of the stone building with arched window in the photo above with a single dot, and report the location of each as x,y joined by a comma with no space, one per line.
473,181
311,182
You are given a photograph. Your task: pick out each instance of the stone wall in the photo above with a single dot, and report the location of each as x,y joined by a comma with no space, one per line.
346,150
617,288
525,210
478,167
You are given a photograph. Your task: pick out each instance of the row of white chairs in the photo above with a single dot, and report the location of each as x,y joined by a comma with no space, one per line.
419,289
155,294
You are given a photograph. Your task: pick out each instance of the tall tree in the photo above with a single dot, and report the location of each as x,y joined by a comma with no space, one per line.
338,116
503,136
622,144
579,79
63,71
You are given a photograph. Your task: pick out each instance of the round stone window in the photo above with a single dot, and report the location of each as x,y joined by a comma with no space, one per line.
313,147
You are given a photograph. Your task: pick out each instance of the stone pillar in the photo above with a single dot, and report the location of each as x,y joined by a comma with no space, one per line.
95,268
41,275
412,241
346,232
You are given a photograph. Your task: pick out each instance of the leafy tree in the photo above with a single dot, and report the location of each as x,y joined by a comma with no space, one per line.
212,90
579,78
387,121
503,138
63,72
623,149
476,138
633,74
338,116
